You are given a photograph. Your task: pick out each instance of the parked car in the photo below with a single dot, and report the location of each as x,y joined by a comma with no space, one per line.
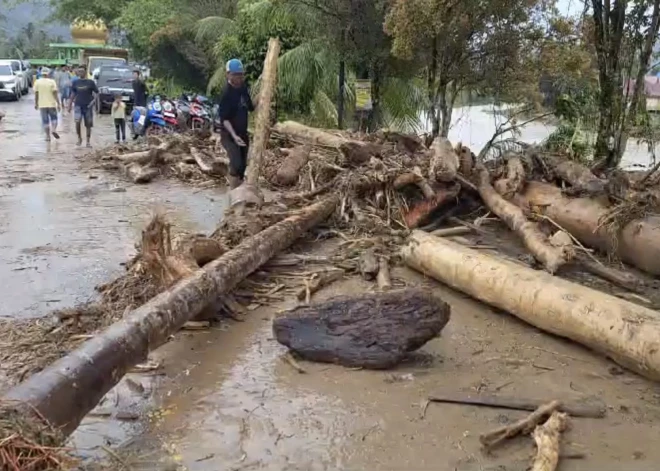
21,72
112,80
10,83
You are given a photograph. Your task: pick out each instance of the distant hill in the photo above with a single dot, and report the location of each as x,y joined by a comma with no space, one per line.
37,12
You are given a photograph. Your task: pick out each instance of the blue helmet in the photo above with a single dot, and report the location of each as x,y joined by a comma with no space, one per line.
235,66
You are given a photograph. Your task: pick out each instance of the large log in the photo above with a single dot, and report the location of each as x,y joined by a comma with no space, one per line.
535,241
293,163
66,391
262,121
355,152
578,176
370,330
638,243
625,332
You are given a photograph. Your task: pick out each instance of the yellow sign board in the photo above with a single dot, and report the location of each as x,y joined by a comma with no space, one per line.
363,95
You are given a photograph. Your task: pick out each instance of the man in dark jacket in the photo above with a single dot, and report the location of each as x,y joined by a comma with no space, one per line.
234,105
139,89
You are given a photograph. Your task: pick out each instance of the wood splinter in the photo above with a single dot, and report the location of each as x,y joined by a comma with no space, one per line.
524,426
547,437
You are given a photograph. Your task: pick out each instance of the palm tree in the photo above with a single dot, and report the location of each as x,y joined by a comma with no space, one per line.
310,66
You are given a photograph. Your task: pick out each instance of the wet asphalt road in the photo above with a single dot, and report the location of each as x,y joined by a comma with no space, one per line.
64,230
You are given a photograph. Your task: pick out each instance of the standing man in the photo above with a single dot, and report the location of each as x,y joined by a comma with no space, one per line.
63,79
83,97
139,89
46,100
234,105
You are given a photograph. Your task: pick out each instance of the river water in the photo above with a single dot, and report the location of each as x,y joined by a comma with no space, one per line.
474,126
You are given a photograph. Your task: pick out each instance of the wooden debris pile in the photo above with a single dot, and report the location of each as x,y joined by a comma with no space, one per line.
194,157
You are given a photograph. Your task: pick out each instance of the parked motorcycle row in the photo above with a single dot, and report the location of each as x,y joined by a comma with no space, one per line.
164,116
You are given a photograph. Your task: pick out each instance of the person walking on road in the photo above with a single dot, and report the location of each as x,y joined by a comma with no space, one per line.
139,89
46,100
83,97
234,105
118,113
63,80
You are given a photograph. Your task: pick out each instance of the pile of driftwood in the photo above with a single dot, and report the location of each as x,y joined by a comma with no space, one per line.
193,157
380,197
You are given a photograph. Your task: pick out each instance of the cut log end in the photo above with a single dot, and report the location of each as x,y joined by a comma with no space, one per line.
373,331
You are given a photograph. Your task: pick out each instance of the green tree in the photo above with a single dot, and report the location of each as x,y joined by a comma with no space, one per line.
473,45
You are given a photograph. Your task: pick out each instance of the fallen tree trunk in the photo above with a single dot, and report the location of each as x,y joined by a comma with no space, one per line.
294,162
579,177
535,241
414,178
373,331
355,152
65,392
638,243
625,332
444,161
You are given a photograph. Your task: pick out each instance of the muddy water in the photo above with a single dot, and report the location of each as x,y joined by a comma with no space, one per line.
64,230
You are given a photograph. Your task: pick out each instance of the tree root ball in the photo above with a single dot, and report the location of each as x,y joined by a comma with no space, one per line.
374,331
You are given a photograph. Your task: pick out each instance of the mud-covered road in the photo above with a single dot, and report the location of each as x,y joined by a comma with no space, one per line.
226,401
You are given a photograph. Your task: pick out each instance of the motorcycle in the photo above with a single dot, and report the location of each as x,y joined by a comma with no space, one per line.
170,114
149,119
200,113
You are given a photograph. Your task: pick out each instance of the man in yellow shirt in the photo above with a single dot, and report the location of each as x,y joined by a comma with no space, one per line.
46,100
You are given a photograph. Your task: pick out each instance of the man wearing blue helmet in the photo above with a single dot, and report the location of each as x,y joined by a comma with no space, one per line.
234,105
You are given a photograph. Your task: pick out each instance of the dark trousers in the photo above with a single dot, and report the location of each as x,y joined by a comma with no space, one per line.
120,128
237,154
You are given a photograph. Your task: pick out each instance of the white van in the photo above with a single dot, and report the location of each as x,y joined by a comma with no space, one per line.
21,72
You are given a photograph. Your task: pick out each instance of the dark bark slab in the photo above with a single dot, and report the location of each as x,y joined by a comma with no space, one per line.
373,331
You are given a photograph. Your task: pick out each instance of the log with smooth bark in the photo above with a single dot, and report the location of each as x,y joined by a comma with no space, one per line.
625,332
67,390
535,241
262,120
355,152
444,161
293,163
375,330
638,243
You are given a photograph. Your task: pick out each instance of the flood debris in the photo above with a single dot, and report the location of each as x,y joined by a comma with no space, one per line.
374,331
369,192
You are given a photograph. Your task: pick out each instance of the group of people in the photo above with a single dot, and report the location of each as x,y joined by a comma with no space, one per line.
55,91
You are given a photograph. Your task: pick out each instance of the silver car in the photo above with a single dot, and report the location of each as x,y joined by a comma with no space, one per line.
21,72
10,83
